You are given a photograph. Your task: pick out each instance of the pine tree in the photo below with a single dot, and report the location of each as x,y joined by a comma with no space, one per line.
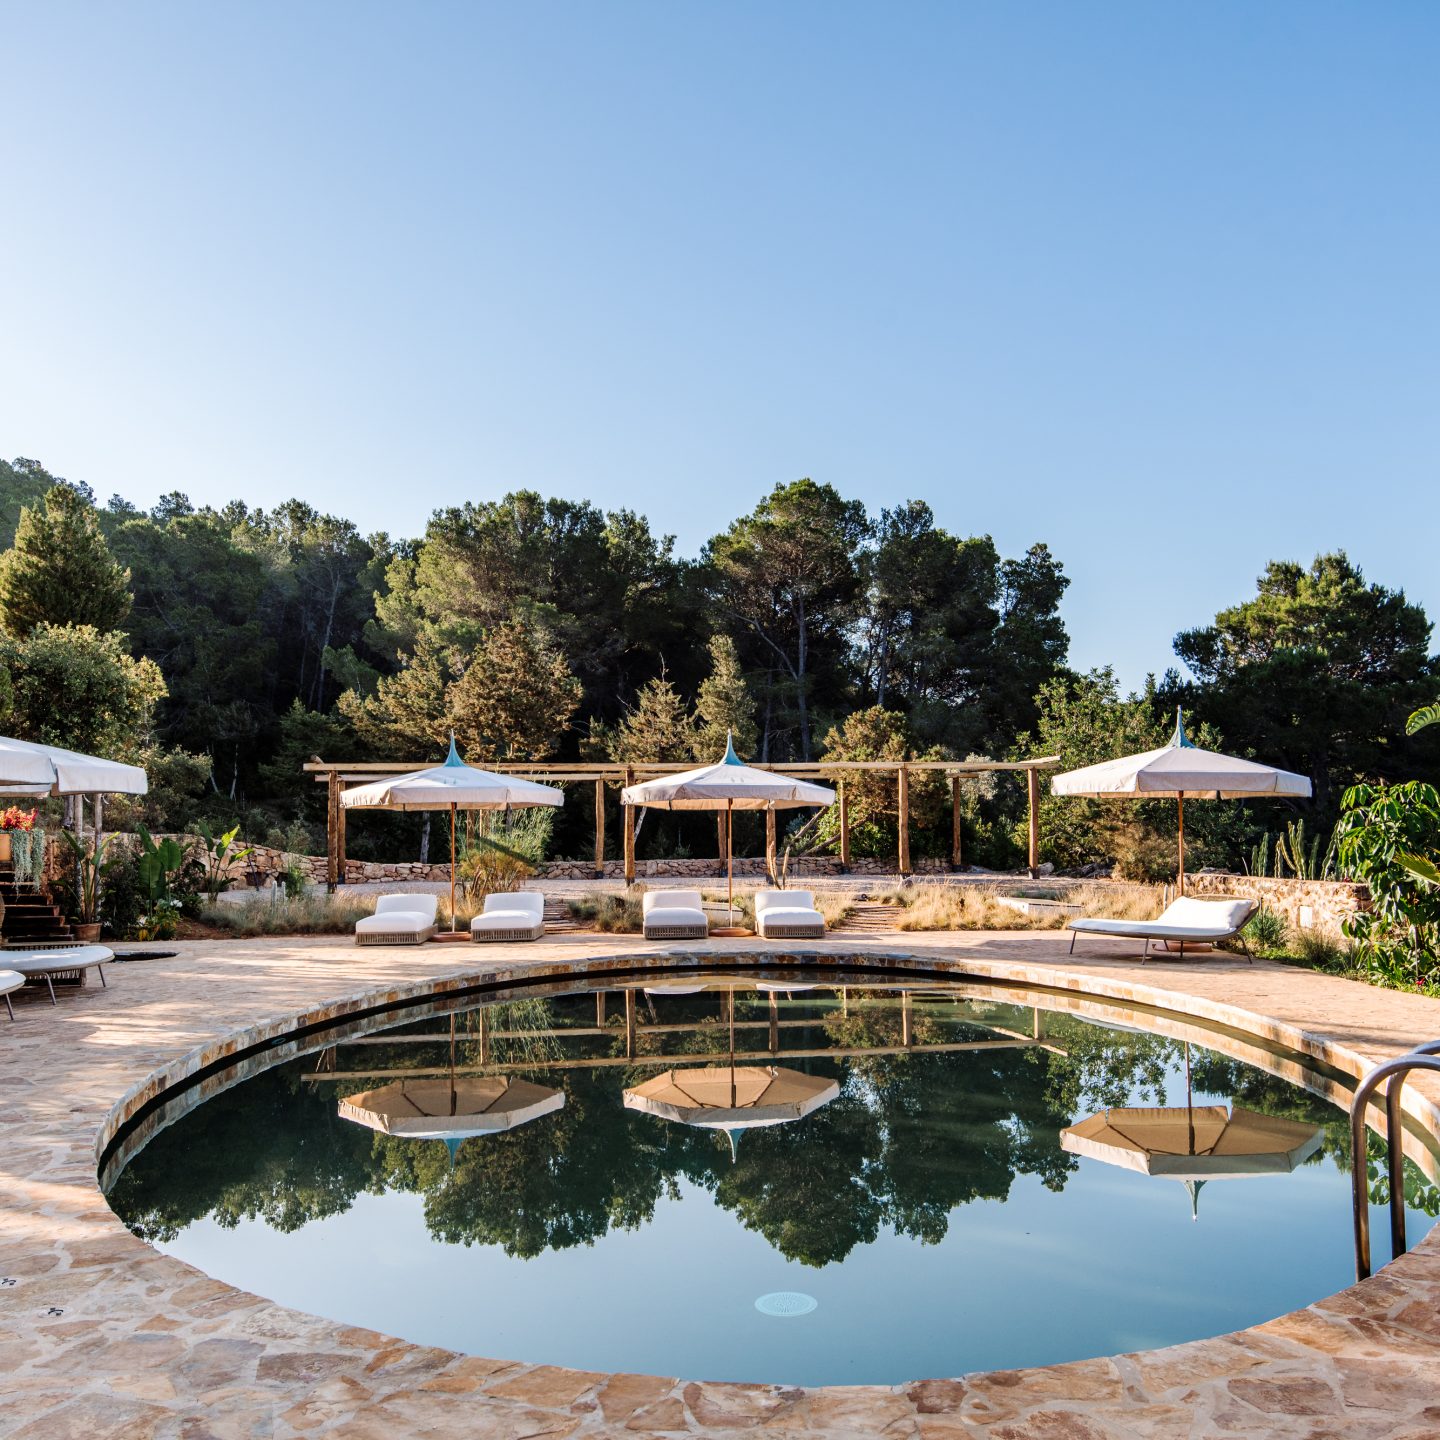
60,570
724,706
515,698
657,729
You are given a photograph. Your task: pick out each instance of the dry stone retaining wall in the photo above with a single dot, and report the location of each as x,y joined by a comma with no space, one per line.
272,863
1322,905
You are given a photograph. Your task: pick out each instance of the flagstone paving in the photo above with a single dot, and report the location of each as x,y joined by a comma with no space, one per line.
103,1338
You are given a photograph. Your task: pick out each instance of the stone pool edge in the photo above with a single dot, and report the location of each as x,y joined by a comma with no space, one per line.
1352,1354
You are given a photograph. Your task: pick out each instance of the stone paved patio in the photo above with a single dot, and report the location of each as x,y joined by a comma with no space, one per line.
103,1338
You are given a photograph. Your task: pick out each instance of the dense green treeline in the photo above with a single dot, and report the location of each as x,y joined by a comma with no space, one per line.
225,647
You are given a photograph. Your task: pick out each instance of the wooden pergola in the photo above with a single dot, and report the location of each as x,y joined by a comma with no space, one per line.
335,775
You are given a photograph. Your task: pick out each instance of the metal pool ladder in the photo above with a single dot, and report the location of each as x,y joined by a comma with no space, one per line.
1396,1072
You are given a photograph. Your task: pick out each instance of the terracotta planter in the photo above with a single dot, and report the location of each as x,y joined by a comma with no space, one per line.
87,934
5,855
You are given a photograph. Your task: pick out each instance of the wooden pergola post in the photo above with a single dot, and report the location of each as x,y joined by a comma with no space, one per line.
600,827
629,831
332,832
902,807
844,828
340,856
955,858
770,859
1032,783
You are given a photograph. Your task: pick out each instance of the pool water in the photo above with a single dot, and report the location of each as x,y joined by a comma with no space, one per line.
925,1212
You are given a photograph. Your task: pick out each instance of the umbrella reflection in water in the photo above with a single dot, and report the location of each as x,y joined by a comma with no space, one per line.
1194,1144
732,1098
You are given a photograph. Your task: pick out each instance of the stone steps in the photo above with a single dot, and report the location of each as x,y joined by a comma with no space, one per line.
871,917
559,920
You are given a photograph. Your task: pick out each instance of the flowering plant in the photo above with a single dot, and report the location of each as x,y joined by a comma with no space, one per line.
14,818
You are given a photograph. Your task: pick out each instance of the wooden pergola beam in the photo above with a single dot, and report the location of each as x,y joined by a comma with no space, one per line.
334,774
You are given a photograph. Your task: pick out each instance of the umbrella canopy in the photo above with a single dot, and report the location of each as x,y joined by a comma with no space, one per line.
1175,771
728,785
1194,1144
451,1109
27,768
1178,770
453,785
730,1098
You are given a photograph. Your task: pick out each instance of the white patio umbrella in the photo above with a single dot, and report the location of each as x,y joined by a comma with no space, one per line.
1175,771
453,786
28,768
729,785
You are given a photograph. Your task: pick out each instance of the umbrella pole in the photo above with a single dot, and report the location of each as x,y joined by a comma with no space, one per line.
1180,807
453,926
732,1050
730,866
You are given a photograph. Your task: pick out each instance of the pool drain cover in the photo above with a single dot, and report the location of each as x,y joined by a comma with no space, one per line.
786,1303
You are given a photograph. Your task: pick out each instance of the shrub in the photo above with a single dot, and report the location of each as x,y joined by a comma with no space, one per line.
1266,929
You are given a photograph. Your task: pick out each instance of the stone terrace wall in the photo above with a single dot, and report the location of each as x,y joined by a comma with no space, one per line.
271,864
1305,904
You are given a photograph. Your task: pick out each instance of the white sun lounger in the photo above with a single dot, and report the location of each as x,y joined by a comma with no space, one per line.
788,915
398,920
55,964
1185,921
10,980
519,916
674,915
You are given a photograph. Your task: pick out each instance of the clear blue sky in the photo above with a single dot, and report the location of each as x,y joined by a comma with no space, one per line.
1156,284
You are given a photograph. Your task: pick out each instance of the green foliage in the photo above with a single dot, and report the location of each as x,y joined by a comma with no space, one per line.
27,855
1425,716
789,579
1313,671
1267,928
73,686
724,707
1381,827
218,855
1305,862
657,728
60,570
159,864
872,797
91,866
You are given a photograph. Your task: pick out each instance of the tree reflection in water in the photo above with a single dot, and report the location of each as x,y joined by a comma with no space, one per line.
910,1138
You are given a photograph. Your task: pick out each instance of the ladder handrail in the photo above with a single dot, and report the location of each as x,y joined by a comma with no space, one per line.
1396,1071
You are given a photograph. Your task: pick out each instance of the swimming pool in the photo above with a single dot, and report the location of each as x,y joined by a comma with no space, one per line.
821,1179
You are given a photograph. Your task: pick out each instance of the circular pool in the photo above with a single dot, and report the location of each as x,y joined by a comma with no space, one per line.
833,1178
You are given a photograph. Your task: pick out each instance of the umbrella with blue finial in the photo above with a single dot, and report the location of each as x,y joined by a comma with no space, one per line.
456,786
1176,771
728,785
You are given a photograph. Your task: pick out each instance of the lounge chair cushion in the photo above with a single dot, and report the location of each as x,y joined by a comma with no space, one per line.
57,962
520,914
673,910
421,903
786,910
1183,919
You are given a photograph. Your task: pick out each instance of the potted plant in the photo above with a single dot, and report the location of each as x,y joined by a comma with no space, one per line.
89,868
13,818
